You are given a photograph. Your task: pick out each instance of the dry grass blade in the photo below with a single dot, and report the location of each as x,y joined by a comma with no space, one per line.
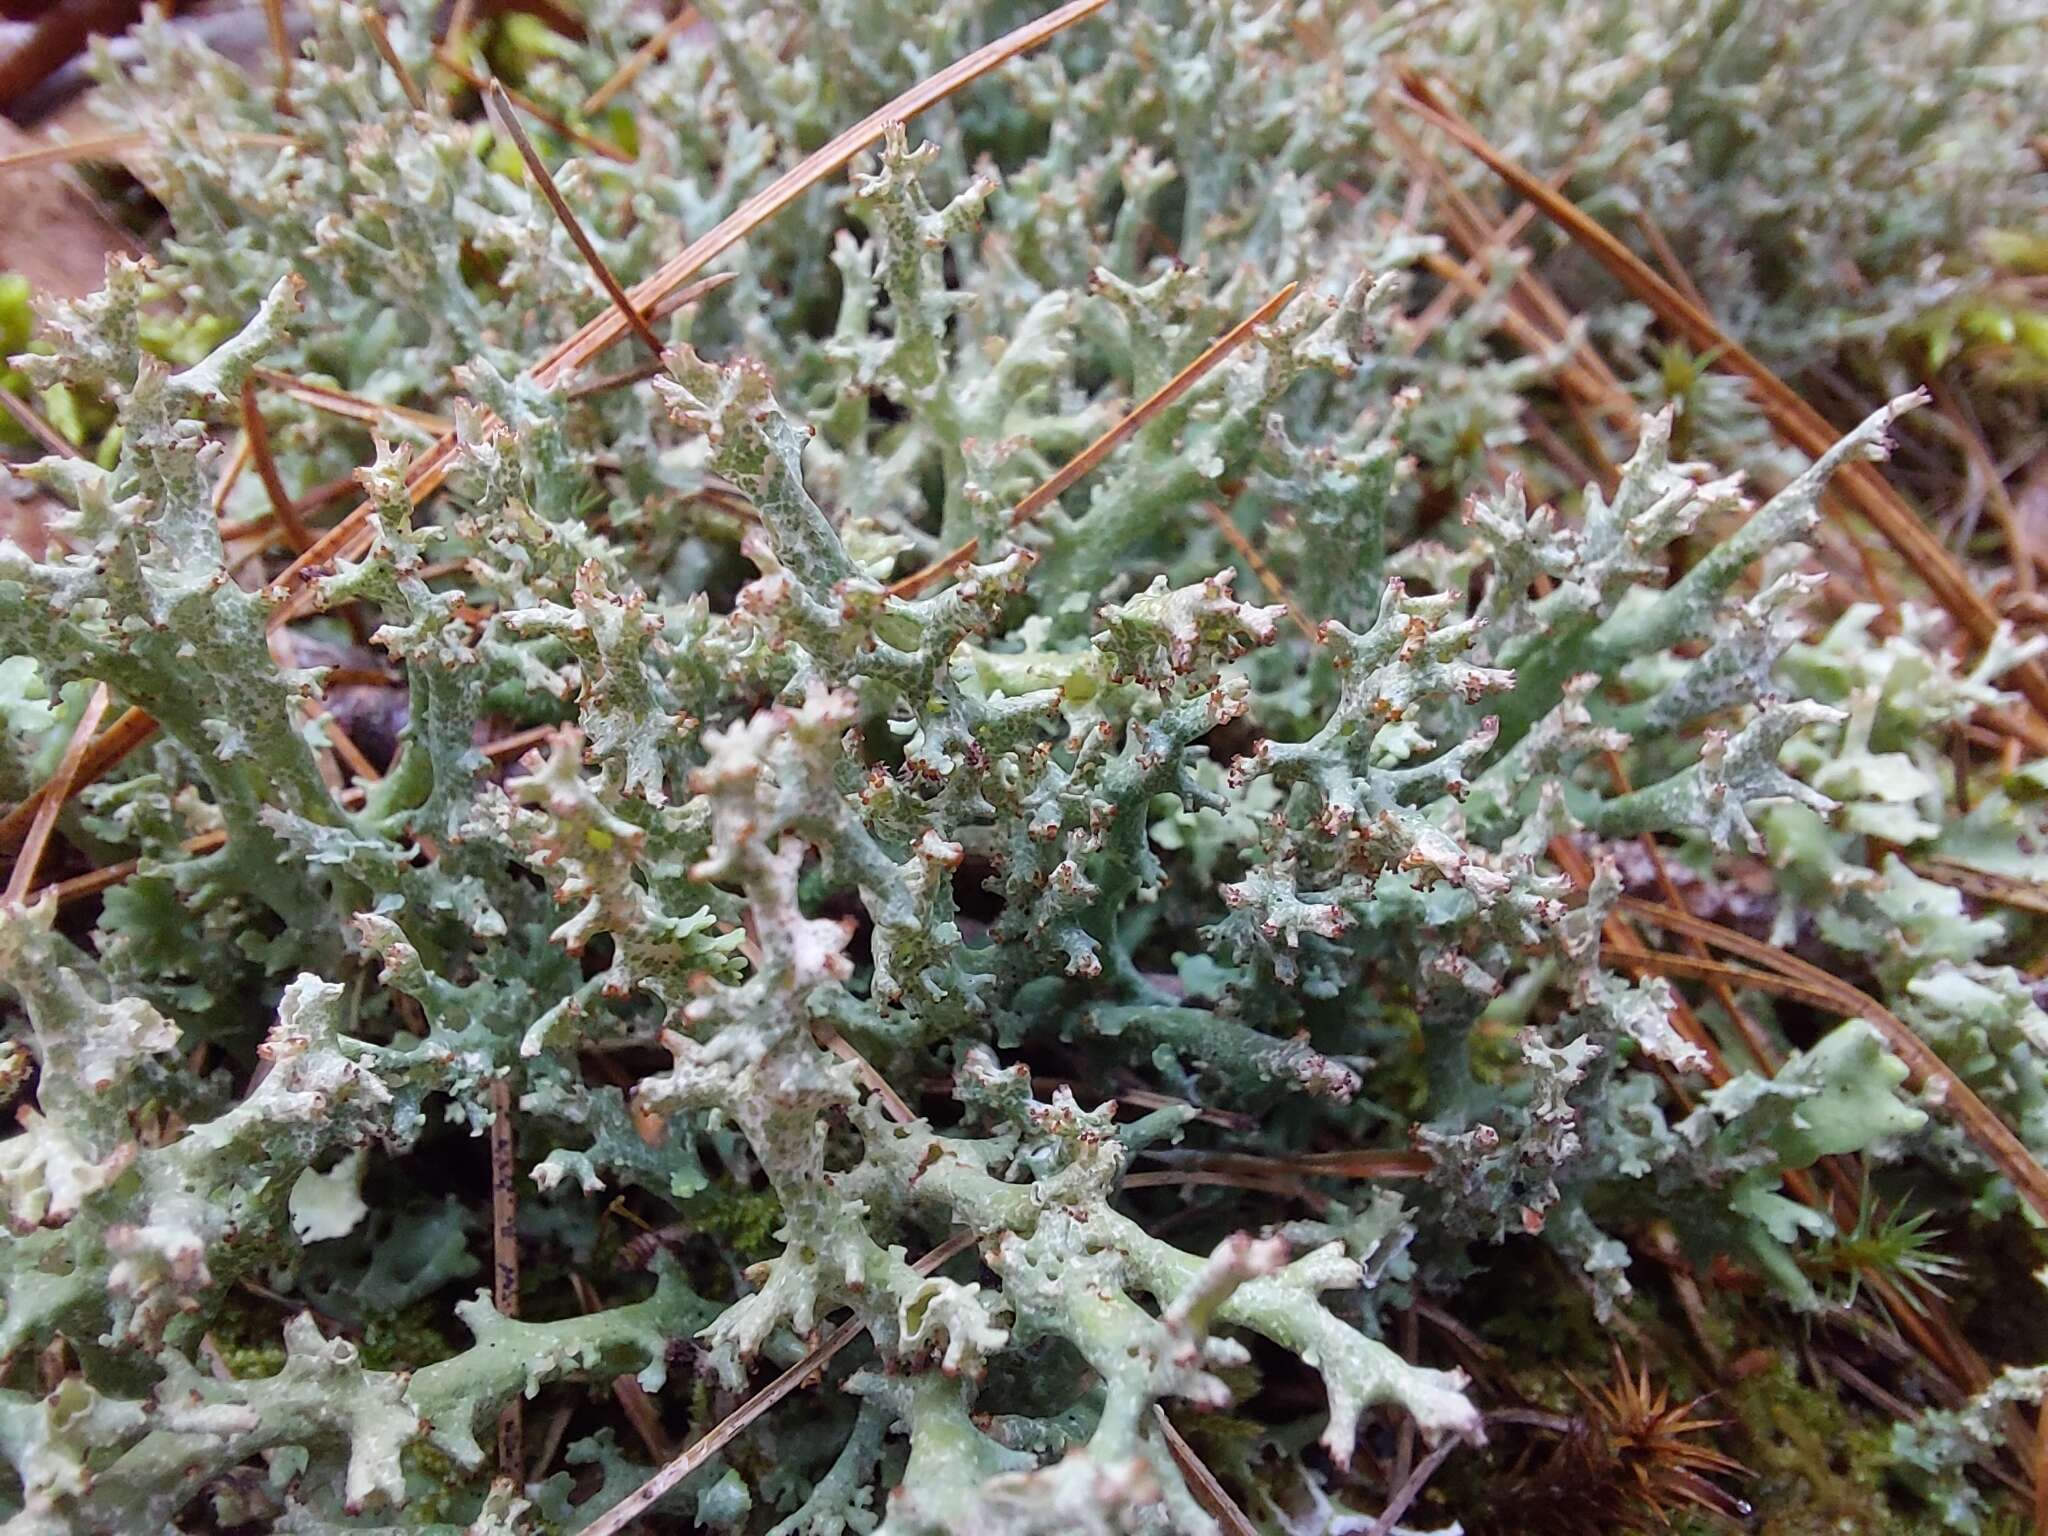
1795,421
807,173
1063,479
1202,1483
1991,1134
345,539
498,103
636,65
45,823
635,1504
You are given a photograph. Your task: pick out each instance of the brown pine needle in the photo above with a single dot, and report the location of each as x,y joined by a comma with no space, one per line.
31,421
639,372
636,65
101,146
1063,479
2007,891
878,1085
605,383
1249,553
312,501
1223,1178
505,1264
346,538
380,38
1411,1490
690,293
498,104
635,1504
458,23
345,748
633,1400
1202,1483
2041,1473
1619,937
230,477
1674,269
78,887
1657,962
112,146
2019,553
339,402
808,172
280,44
1761,1049
1796,422
31,855
129,730
481,84
1991,1134
282,507
1363,1163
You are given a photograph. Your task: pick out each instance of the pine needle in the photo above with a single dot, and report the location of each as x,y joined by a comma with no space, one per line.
1063,479
346,539
31,855
1993,1137
623,1514
1796,422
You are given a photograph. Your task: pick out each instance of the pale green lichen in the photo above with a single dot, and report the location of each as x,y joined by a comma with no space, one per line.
1079,811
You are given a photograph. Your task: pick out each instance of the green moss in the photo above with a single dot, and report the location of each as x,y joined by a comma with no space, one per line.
407,1341
1820,1465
